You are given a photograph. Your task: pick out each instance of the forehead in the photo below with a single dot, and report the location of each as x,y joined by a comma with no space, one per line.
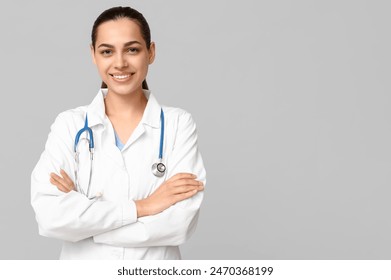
118,32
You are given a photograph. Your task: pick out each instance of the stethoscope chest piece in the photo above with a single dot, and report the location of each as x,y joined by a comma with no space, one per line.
158,169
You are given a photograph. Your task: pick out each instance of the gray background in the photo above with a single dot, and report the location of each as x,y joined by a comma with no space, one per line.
291,99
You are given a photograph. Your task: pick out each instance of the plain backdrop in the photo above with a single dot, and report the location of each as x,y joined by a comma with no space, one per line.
292,105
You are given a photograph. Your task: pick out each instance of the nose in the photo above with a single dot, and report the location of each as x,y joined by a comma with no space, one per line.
120,61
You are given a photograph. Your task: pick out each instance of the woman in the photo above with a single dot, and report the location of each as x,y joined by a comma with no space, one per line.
124,210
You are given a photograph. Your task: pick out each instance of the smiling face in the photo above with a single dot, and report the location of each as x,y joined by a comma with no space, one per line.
121,56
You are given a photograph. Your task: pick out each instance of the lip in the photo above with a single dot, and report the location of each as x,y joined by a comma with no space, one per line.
121,76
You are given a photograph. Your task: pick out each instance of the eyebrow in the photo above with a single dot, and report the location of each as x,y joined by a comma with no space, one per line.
127,44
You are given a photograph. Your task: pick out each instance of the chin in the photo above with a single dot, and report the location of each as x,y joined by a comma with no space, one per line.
124,89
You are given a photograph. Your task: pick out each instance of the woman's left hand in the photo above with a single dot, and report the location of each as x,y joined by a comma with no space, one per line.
64,183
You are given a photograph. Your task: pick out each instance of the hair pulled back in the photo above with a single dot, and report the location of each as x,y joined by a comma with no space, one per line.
117,13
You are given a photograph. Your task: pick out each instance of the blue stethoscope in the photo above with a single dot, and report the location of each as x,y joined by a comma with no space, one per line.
158,168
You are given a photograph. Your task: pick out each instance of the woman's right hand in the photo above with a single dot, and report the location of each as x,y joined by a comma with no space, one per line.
179,187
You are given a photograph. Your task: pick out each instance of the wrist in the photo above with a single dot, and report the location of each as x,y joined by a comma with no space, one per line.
141,208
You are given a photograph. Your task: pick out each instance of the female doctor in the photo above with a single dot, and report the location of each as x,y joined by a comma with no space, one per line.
136,193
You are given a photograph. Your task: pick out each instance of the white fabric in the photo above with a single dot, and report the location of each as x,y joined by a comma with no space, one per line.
108,228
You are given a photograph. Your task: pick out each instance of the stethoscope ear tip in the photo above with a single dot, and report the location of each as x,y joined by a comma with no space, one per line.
98,195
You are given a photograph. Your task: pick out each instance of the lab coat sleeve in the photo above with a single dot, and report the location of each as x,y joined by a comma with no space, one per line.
176,224
70,216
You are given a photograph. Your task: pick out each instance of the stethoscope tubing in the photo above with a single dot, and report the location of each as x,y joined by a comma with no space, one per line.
161,135
90,136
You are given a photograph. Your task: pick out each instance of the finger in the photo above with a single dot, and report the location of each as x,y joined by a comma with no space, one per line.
182,182
56,181
67,178
183,196
182,188
58,185
182,176
56,178
61,181
187,188
184,185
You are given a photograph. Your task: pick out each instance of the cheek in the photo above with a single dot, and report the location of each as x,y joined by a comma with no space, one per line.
142,64
100,62
140,60
102,65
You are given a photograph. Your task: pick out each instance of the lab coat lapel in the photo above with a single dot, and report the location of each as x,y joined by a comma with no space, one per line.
108,144
96,110
151,118
105,133
139,130
103,130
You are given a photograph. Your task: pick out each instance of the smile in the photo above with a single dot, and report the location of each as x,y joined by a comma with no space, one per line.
120,77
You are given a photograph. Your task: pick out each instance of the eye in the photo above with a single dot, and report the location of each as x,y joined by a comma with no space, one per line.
106,52
133,50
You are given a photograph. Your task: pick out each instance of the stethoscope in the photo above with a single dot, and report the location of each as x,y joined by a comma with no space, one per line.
158,168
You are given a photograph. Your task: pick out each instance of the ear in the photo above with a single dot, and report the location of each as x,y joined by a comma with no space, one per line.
93,54
152,52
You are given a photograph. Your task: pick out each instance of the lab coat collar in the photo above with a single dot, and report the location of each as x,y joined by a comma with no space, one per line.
96,110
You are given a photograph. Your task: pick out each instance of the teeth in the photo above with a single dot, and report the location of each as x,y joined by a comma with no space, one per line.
121,76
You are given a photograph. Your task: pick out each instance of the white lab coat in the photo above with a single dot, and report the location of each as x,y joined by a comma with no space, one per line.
108,227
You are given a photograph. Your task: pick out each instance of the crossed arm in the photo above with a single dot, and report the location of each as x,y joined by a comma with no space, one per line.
179,187
165,218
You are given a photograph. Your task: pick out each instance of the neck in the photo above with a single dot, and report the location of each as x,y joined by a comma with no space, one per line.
125,106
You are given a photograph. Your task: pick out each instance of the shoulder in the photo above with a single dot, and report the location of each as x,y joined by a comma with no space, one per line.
179,116
180,124
69,118
174,111
73,113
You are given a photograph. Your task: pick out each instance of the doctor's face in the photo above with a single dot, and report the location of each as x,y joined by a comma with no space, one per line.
121,56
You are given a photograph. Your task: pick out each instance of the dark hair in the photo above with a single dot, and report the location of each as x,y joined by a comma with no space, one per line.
116,13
